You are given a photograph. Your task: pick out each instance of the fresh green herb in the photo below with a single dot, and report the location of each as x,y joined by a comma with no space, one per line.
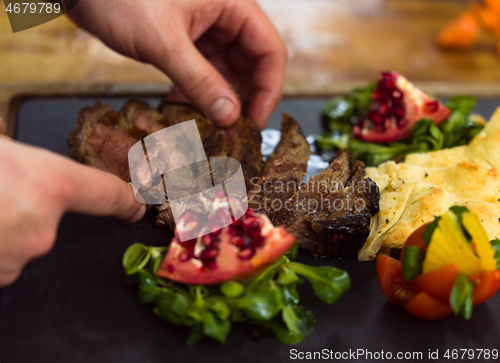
342,112
429,230
412,262
495,243
269,299
461,296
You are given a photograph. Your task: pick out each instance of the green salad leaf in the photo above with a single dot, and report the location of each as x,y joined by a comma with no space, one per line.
270,299
461,296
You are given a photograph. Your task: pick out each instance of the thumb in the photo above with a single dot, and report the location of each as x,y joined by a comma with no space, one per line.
201,83
99,193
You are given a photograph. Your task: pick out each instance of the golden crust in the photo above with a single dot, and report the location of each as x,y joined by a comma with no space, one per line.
427,185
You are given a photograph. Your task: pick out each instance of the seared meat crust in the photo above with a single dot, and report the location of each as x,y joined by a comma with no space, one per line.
340,227
329,215
311,195
283,171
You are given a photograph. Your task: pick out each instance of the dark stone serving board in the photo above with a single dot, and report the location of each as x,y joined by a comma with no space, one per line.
71,305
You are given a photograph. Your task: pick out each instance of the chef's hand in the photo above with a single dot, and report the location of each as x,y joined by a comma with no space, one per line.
204,46
36,188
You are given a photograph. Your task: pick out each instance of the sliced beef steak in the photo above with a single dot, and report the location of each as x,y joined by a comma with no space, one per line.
103,138
212,137
283,171
342,224
245,142
143,116
313,194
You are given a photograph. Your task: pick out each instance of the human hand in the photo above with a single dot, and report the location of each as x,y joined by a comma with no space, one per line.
36,188
203,46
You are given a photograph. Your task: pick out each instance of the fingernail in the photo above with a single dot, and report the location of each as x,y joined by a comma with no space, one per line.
139,214
221,109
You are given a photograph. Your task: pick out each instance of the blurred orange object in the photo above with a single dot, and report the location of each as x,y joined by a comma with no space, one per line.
462,32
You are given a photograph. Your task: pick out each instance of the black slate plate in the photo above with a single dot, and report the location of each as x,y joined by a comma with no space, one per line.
71,305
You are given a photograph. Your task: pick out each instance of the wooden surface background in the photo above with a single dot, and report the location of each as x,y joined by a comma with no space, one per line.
333,45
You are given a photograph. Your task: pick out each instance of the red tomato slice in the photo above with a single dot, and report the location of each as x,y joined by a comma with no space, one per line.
425,307
486,284
437,283
415,239
390,277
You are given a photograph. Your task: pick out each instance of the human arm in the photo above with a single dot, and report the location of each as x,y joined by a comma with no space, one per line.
36,188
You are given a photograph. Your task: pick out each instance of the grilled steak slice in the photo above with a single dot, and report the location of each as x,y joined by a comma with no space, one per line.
245,141
283,171
313,194
212,137
340,227
103,138
214,143
143,116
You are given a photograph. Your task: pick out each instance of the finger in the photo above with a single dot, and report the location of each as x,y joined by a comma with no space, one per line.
251,40
200,82
99,193
267,89
176,96
261,41
8,276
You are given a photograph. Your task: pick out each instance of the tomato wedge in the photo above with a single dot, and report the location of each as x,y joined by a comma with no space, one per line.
425,307
427,295
390,277
486,284
438,283
416,239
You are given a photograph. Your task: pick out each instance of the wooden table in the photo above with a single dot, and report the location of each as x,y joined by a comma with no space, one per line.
333,45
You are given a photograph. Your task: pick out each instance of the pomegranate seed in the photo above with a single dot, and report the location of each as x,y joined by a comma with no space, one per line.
383,109
220,194
238,241
188,243
209,254
356,130
379,128
335,238
388,84
432,106
233,231
246,253
184,256
222,215
249,223
249,213
255,237
402,123
190,226
375,117
206,240
211,265
397,95
399,112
